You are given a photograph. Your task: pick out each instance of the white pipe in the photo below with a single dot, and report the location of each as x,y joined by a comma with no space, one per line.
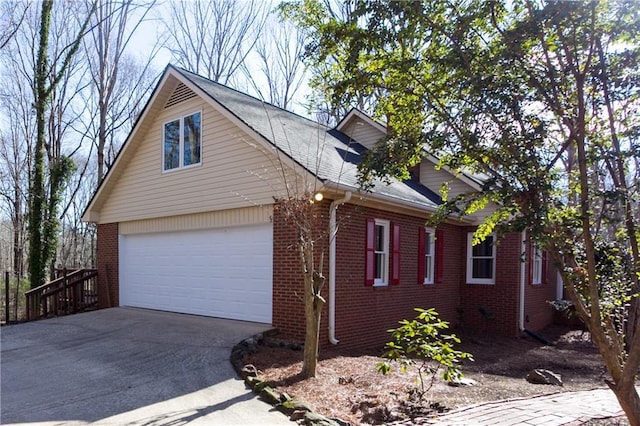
332,265
523,271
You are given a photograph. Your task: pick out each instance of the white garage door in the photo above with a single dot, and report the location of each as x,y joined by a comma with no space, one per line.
222,273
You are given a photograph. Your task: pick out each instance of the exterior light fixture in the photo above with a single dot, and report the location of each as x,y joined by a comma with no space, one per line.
318,196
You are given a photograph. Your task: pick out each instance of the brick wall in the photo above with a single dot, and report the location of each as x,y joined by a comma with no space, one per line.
288,280
537,312
363,314
107,253
499,301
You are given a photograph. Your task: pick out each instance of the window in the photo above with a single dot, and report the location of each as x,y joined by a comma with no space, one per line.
382,263
429,256
182,142
481,260
536,266
381,252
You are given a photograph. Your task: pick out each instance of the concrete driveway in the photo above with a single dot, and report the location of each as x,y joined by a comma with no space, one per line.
127,366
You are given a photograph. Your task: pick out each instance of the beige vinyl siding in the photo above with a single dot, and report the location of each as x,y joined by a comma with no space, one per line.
207,220
433,179
363,133
235,172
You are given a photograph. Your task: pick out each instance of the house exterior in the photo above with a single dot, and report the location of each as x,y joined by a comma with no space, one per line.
188,222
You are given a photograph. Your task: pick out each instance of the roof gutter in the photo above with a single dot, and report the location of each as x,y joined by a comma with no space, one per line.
333,231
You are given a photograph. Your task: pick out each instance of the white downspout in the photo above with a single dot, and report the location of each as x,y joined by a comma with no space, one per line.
523,271
332,265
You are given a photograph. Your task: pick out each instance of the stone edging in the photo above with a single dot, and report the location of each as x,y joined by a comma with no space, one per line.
297,411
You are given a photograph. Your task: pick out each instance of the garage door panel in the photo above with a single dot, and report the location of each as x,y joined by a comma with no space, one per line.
218,272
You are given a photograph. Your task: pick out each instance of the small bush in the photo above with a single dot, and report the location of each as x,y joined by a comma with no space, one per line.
420,343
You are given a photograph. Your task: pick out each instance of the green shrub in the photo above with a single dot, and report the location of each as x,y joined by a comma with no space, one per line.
420,343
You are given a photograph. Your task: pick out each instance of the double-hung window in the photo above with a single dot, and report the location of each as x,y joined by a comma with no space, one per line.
481,260
536,265
182,142
381,247
382,262
429,256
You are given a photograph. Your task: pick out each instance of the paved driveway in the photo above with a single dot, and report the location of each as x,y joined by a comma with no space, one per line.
127,366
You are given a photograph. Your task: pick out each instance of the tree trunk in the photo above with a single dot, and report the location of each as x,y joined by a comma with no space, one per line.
629,400
313,303
37,265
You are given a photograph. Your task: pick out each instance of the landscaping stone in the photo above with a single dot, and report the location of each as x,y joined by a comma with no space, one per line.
462,382
544,377
315,419
270,395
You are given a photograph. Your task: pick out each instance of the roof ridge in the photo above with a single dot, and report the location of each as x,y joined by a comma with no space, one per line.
224,86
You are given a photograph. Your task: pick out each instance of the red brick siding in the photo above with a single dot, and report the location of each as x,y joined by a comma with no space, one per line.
499,300
107,252
364,314
537,312
288,280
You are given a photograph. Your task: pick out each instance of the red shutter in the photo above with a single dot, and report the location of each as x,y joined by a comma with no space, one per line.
439,254
370,253
395,254
421,253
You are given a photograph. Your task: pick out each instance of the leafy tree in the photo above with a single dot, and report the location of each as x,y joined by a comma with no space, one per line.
540,98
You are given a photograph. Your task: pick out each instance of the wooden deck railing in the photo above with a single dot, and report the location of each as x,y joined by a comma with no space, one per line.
73,292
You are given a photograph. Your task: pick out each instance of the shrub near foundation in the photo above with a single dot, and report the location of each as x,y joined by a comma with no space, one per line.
420,343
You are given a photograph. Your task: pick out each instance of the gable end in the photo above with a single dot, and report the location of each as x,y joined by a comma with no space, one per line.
180,94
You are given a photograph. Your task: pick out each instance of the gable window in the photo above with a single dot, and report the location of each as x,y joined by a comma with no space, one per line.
481,260
382,261
182,142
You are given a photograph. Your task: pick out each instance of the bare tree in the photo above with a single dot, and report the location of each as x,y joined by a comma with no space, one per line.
12,14
279,52
49,74
119,82
213,38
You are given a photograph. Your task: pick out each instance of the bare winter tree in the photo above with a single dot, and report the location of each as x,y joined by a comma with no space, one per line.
12,14
213,38
54,76
281,70
119,81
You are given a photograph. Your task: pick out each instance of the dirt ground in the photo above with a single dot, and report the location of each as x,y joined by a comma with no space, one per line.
348,386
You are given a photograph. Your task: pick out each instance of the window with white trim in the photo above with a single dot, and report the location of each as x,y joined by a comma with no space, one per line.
536,272
429,255
182,142
381,247
481,260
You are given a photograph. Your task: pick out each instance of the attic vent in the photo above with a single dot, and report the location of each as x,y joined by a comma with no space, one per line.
181,94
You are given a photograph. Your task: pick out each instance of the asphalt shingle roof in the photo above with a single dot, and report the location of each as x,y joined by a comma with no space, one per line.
326,153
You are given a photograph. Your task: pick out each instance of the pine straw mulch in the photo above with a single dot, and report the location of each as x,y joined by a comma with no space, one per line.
348,386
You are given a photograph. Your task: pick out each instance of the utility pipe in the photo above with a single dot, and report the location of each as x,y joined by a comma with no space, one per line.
332,265
523,271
